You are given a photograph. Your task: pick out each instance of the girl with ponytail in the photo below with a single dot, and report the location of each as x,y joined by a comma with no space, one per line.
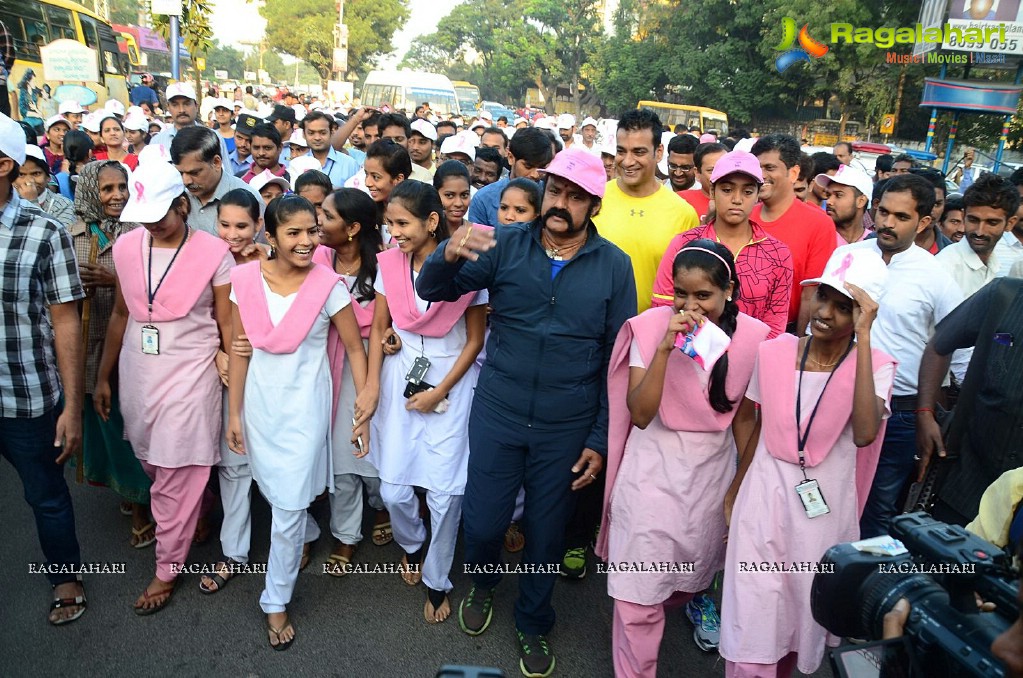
673,428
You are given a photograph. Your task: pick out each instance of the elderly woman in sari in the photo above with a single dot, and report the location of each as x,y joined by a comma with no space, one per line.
108,459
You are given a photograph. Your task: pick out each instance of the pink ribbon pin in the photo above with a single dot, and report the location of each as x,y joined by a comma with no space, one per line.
847,261
140,191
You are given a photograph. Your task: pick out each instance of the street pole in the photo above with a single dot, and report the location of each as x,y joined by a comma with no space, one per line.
934,115
175,56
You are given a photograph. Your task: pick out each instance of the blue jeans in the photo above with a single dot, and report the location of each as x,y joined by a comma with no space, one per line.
28,445
504,457
894,469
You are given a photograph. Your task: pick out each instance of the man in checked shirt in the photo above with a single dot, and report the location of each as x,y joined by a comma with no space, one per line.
40,361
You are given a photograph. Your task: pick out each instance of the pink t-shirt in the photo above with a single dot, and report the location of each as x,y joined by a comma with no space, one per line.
810,236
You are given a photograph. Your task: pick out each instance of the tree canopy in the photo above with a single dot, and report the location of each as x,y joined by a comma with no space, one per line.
305,29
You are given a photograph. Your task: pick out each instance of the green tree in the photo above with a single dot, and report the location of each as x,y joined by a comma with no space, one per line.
226,58
304,29
124,12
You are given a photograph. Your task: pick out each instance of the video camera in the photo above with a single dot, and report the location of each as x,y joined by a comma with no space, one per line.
939,569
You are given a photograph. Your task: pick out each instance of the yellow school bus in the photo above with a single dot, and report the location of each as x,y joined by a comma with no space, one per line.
36,23
707,119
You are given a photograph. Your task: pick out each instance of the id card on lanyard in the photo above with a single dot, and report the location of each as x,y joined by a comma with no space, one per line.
809,490
150,332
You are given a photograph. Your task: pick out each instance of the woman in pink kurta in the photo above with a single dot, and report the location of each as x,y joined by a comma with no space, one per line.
170,319
671,451
823,401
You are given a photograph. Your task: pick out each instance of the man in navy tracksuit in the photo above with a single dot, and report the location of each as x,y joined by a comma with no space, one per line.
559,293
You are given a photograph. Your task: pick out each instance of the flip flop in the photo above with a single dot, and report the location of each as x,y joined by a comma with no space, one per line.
59,603
137,533
281,646
337,563
434,599
412,578
146,611
382,534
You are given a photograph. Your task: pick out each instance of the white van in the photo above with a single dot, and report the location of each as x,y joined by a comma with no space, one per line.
407,89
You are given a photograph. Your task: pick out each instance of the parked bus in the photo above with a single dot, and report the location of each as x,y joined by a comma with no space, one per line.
707,119
824,132
37,23
468,96
404,90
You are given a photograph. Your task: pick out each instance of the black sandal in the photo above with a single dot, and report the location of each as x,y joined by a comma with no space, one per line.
60,603
435,598
415,557
217,578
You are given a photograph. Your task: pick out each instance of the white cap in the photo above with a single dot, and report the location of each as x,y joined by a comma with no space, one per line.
425,128
222,102
588,121
459,143
303,163
12,140
847,175
297,138
486,115
518,121
299,112
135,121
91,121
566,121
54,119
114,106
134,110
265,178
666,138
158,123
152,189
745,145
33,151
857,265
72,107
154,153
180,89
610,146
479,123
546,122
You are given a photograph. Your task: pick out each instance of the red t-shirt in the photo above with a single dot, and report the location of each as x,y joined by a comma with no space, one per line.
810,235
131,160
697,199
764,266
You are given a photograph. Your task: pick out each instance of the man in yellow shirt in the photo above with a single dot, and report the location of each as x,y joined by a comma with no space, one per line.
639,214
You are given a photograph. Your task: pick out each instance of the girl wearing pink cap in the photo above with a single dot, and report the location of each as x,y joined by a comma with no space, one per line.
805,473
168,326
667,454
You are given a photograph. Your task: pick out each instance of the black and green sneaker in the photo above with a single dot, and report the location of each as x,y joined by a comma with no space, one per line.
573,565
476,610
536,659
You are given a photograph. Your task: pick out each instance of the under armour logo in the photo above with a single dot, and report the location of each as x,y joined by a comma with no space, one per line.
632,213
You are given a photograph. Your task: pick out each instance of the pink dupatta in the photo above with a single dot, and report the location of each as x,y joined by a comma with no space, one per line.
335,347
685,402
186,280
777,375
401,299
286,336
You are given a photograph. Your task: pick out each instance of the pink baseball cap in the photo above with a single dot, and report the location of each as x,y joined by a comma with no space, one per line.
737,161
582,168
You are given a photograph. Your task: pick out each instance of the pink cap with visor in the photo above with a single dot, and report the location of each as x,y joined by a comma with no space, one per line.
582,168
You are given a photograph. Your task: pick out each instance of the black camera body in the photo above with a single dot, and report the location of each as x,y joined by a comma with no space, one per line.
944,567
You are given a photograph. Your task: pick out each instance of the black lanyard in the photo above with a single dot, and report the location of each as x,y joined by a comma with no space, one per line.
412,279
149,280
802,438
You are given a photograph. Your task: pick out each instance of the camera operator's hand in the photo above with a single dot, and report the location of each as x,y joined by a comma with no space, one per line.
894,624
928,441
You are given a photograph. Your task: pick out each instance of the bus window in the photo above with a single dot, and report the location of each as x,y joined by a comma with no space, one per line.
61,25
89,32
112,61
36,35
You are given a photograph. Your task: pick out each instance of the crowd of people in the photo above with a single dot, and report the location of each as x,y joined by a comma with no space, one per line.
685,354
